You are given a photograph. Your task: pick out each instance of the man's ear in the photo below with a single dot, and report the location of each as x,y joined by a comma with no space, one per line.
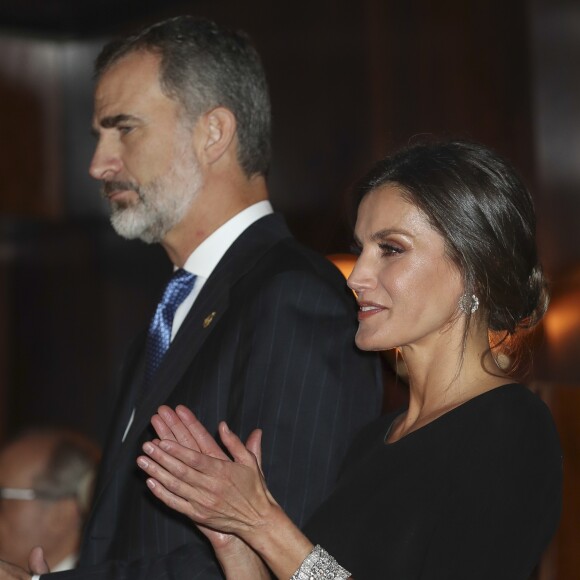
215,134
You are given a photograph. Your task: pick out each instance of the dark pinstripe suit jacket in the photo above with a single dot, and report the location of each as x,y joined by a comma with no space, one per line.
278,354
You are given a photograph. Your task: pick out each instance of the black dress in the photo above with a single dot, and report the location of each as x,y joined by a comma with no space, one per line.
475,494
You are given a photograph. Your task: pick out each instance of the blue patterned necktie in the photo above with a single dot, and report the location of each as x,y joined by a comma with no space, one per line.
159,336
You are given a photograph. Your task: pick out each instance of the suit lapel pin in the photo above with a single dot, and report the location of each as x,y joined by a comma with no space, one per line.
208,319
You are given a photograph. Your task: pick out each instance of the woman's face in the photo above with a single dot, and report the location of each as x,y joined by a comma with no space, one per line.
407,288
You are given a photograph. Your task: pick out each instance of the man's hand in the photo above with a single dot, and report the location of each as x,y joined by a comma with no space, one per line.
37,562
12,572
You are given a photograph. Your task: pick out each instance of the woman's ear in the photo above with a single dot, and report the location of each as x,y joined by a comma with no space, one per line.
215,134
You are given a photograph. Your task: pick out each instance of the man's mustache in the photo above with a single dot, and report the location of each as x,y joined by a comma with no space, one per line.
110,187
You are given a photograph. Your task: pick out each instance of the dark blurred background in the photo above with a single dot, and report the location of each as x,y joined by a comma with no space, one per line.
350,81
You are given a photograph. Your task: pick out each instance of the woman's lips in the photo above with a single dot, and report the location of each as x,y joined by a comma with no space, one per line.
368,309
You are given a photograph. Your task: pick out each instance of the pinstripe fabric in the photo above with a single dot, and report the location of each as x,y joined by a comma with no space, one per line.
279,354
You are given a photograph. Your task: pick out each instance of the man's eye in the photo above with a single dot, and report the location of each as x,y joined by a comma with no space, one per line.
124,129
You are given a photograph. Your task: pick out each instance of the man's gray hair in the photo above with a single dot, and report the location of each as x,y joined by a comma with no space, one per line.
204,66
71,467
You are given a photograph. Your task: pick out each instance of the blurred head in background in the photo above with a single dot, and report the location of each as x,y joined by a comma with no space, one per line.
46,481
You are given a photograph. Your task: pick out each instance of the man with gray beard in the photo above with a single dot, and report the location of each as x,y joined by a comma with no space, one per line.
253,328
163,202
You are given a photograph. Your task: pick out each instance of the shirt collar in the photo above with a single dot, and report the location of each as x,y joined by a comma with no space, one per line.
206,256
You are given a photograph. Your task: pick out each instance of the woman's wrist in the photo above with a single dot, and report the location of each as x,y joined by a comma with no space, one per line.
239,561
279,542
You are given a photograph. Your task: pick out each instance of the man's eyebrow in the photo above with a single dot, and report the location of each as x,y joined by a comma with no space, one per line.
114,121
110,122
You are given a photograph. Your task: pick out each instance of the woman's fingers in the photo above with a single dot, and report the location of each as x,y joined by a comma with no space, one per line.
184,463
161,428
203,482
207,444
180,476
178,430
235,446
169,499
183,428
254,444
249,455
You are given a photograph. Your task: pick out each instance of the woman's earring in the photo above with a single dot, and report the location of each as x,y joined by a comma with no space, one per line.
468,304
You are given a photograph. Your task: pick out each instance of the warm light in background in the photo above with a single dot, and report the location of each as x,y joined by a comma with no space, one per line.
559,352
344,262
562,321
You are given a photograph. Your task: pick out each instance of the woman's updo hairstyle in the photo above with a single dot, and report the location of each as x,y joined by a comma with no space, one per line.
480,206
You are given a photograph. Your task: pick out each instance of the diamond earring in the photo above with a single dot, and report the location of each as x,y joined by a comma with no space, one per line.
468,304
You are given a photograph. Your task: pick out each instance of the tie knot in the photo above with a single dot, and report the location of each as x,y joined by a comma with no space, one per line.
178,287
159,337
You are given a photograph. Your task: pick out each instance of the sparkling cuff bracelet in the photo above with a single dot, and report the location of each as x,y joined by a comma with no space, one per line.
320,565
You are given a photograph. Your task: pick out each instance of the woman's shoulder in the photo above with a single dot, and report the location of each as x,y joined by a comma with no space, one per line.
513,404
512,418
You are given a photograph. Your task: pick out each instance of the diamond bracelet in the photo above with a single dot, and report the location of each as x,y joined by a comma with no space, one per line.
320,565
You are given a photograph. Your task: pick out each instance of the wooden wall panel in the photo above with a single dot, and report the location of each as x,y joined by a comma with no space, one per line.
30,119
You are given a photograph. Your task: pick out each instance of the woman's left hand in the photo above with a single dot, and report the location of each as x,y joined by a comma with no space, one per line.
200,481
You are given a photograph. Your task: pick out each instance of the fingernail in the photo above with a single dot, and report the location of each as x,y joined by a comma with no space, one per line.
165,445
150,484
226,428
148,448
142,462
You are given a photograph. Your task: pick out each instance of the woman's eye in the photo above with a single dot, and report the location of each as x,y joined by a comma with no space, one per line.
389,249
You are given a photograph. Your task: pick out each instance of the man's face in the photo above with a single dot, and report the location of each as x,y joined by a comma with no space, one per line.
144,155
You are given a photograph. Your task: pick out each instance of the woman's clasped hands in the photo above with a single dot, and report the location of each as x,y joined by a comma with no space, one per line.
226,497
191,473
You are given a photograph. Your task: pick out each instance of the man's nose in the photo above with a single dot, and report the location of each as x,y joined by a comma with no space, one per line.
106,162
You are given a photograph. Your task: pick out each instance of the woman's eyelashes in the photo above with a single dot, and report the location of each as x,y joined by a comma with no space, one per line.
387,249
390,249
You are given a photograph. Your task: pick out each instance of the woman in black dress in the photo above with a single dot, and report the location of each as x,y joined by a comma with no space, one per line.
465,482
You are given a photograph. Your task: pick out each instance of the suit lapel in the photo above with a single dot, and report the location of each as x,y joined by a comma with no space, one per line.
180,355
208,310
204,317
